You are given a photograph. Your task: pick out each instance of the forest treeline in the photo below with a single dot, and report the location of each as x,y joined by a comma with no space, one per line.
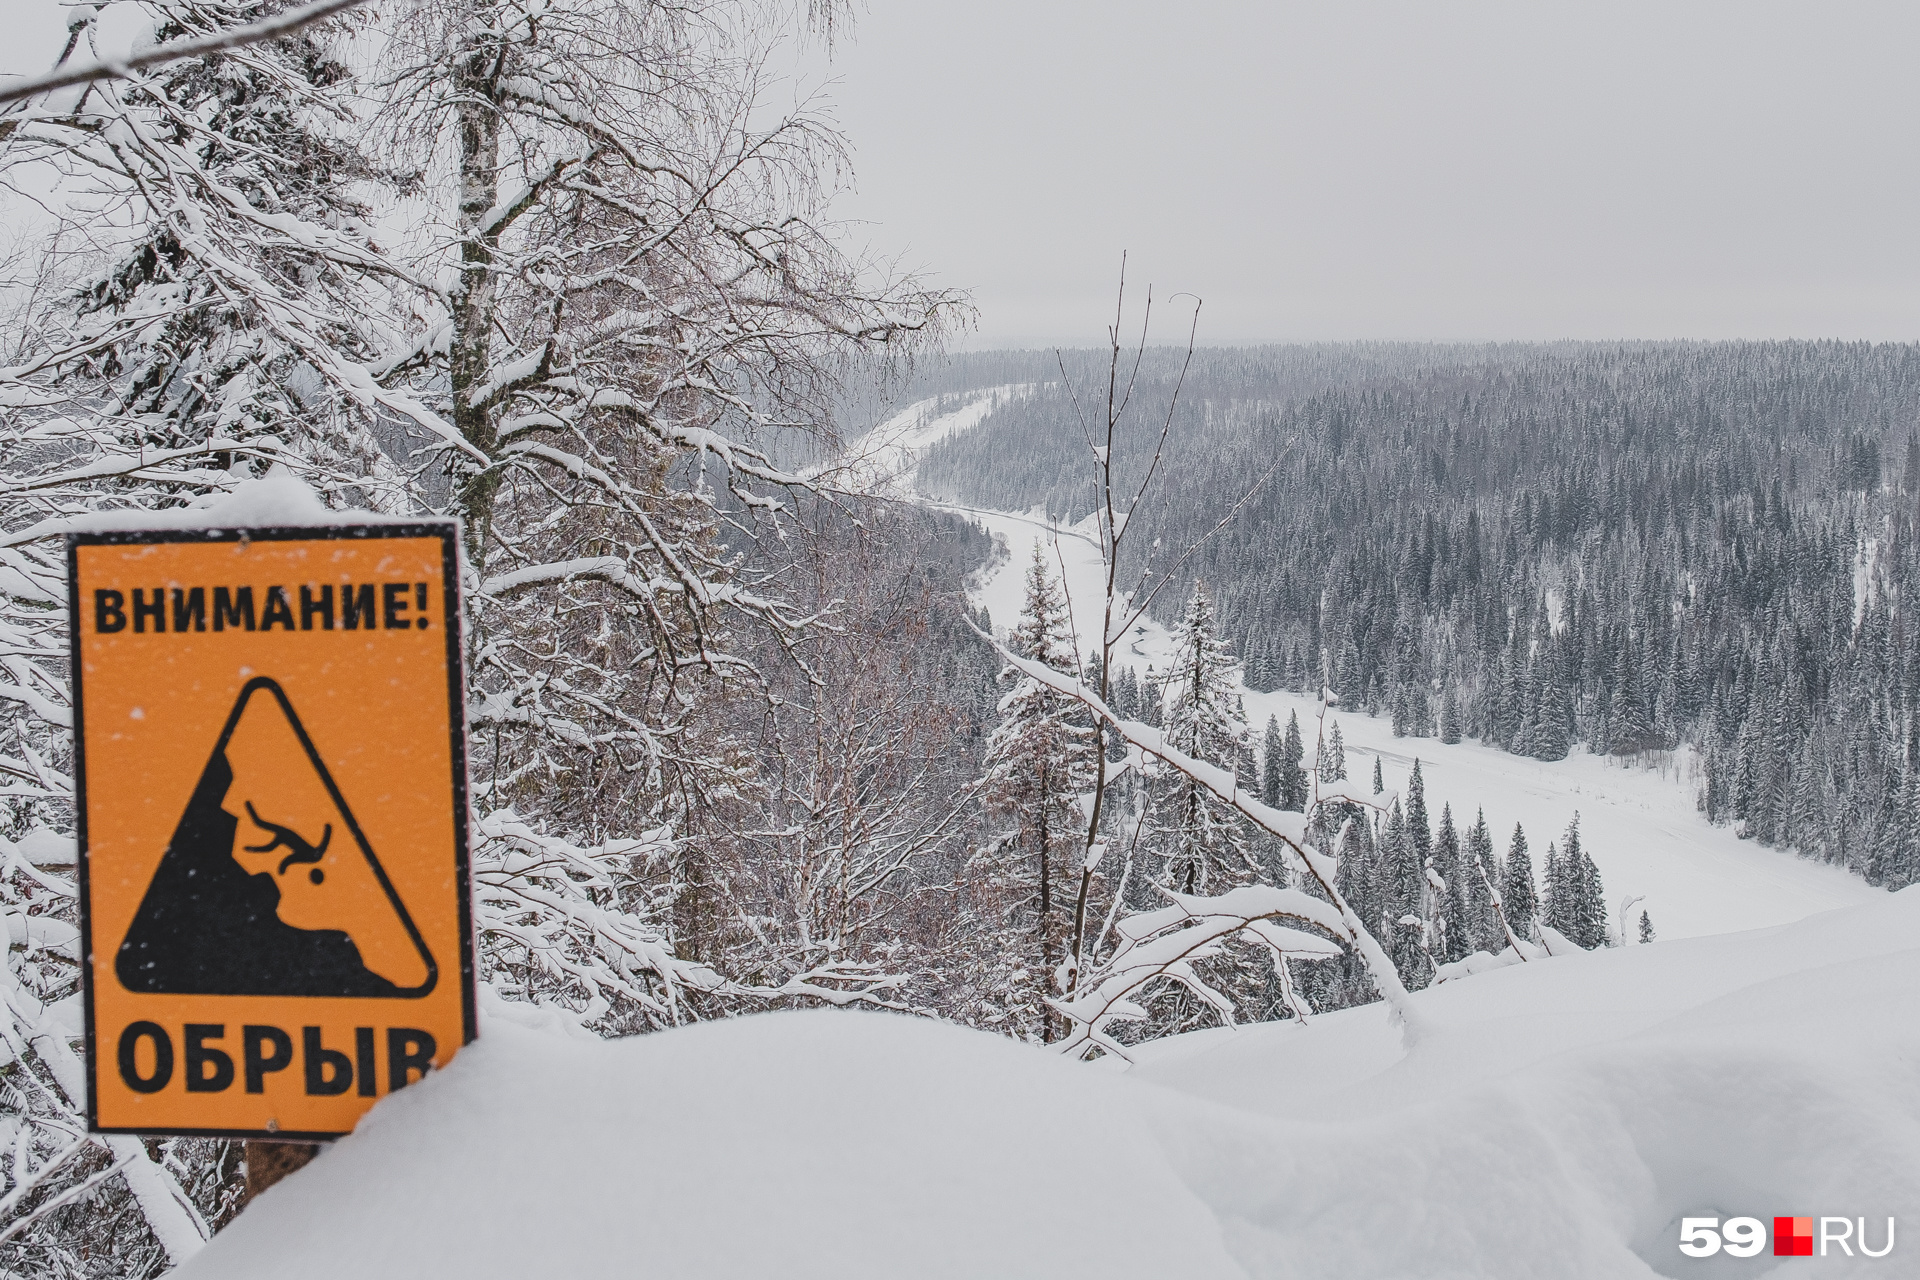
1626,547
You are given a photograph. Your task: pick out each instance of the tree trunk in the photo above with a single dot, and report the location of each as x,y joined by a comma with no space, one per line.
1046,905
475,295
268,1162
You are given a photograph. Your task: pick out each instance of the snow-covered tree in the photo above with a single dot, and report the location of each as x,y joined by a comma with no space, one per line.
1482,880
1201,716
1293,777
1629,722
1203,843
1271,746
1518,896
602,281
1450,896
1331,766
214,294
1450,723
1553,715
841,875
1576,900
1040,764
233,295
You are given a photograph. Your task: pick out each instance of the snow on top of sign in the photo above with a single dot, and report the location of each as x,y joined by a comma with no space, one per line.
1557,1120
279,499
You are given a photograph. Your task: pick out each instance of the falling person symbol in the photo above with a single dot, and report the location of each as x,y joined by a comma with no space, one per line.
213,924
287,837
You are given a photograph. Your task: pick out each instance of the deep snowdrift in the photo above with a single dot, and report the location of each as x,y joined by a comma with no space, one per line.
1557,1121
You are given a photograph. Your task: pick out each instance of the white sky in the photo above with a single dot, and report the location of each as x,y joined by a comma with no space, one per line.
1352,169
1359,169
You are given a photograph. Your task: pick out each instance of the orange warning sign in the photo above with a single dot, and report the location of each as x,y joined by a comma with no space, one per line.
272,803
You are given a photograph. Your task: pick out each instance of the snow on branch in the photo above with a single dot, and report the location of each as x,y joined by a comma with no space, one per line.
563,932
1290,828
279,24
1162,945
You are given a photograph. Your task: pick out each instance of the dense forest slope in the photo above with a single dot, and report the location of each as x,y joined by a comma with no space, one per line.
1629,546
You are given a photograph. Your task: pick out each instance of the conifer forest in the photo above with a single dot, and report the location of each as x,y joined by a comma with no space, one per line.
1634,548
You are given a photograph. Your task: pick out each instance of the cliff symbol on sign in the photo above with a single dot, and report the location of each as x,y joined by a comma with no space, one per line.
269,887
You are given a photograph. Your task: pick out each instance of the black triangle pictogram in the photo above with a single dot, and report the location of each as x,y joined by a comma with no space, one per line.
222,916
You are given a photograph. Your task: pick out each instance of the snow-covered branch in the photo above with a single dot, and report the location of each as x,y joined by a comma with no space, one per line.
1162,946
1290,829
121,68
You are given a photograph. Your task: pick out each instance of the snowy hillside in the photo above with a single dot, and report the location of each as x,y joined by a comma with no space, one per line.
884,460
1557,1121
1642,827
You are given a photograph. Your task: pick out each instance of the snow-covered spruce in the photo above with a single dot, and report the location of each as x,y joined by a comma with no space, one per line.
1039,765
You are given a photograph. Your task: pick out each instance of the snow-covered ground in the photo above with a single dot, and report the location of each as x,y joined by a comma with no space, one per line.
1557,1120
883,461
1640,825
1553,1119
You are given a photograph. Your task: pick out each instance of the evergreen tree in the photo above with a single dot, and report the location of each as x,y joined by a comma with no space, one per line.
1551,739
1350,682
1400,886
1419,830
1646,927
1379,779
1455,908
1556,908
1332,766
1590,898
1630,726
1483,925
1246,769
1576,900
1039,761
1356,877
1517,895
1198,838
1450,731
1295,678
1577,912
1293,778
1271,764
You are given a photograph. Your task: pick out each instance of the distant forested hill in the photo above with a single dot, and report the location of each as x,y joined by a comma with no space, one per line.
1630,546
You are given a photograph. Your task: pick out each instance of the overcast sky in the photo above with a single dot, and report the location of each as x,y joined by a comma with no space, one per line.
1349,169
1416,170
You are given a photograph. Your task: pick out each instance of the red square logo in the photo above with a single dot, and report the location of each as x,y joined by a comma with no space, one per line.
1793,1237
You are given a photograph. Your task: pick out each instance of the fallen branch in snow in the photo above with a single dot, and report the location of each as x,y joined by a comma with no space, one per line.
1552,943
